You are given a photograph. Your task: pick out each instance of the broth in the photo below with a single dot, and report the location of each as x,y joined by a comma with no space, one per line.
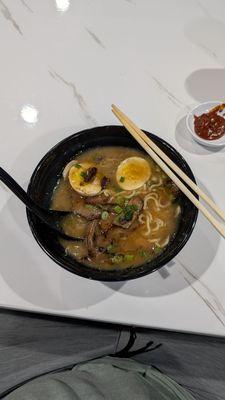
120,228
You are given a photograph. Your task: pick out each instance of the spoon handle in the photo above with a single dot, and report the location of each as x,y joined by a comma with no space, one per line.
49,217
20,193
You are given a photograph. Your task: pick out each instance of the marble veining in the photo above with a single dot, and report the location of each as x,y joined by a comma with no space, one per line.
27,6
78,97
169,94
209,51
203,8
95,38
205,300
206,34
205,293
7,15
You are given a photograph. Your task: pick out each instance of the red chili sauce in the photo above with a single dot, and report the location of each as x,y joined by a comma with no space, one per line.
211,125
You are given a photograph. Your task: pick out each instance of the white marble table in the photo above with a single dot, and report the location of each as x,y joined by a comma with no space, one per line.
63,63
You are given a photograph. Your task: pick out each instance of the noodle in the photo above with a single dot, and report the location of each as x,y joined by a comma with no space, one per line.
140,218
131,195
151,196
150,216
156,199
177,211
151,187
128,195
159,224
153,241
143,189
146,219
165,242
107,192
125,192
147,233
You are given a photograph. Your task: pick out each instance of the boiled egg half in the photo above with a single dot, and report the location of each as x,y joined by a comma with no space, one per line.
76,178
132,173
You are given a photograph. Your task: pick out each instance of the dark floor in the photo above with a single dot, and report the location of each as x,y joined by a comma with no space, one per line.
31,345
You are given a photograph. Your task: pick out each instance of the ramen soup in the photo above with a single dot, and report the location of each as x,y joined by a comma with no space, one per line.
125,208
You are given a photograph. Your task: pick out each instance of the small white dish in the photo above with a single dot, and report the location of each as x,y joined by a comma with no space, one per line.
199,110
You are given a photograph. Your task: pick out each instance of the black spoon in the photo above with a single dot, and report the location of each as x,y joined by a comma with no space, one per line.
49,217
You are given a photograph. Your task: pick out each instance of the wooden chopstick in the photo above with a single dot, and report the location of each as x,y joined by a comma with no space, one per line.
173,166
153,151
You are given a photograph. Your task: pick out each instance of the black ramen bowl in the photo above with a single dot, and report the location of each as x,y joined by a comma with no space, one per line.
45,178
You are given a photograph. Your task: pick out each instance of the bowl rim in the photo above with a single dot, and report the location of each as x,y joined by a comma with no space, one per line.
189,117
138,272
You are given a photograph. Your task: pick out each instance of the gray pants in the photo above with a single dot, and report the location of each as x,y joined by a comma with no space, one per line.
32,345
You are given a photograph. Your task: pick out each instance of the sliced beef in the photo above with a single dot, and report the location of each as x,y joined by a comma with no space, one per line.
174,189
98,200
90,239
106,225
90,213
123,223
99,229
